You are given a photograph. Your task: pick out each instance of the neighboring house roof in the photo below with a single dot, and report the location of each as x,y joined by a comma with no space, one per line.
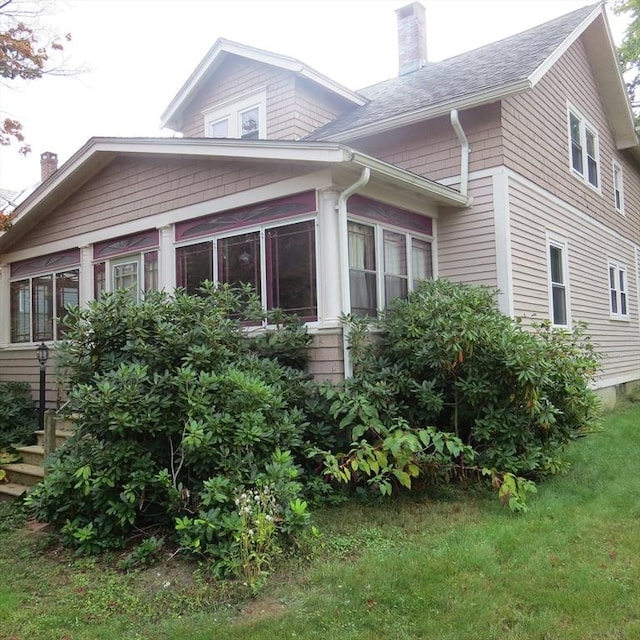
6,200
9,200
487,74
97,153
218,53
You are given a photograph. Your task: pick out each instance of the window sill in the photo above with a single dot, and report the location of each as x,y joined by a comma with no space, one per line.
580,178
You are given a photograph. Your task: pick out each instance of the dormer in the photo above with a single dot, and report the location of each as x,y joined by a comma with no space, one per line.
242,92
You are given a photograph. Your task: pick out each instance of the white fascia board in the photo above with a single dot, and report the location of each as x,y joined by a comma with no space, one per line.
608,74
426,113
434,190
232,148
536,76
223,46
98,152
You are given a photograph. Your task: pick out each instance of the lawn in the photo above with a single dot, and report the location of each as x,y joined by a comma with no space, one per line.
457,567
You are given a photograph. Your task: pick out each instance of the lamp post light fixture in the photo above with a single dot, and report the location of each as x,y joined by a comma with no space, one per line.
42,353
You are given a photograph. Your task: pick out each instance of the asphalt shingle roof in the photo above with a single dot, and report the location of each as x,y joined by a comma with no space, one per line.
472,73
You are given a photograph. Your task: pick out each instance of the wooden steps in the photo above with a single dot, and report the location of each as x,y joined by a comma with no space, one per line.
21,476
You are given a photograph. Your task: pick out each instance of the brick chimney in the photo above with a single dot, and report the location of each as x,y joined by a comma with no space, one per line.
48,164
412,38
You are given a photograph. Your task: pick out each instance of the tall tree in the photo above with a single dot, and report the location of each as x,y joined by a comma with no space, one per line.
26,53
629,50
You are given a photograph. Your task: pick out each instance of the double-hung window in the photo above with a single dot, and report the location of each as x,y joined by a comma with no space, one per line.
583,149
243,118
618,193
39,291
558,293
384,264
618,291
128,263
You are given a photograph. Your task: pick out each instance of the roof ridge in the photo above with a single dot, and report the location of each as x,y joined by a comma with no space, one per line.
587,9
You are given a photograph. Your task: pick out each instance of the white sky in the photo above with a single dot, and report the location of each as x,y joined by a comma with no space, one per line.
139,53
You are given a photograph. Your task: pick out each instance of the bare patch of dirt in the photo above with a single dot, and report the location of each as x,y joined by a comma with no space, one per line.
264,607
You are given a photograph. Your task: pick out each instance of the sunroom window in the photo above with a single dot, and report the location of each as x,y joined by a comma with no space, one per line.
279,262
37,305
39,290
384,265
128,263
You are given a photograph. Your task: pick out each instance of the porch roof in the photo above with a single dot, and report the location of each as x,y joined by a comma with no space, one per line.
97,153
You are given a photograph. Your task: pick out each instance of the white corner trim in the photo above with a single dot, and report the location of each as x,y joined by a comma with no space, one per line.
502,230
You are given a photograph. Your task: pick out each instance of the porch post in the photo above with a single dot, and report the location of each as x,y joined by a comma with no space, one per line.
330,303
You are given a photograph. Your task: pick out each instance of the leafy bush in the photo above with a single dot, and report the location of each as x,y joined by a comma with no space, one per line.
449,386
180,413
18,417
515,395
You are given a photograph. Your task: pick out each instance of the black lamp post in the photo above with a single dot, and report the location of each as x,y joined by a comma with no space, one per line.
42,353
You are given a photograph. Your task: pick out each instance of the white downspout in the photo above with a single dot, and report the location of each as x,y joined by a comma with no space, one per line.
465,152
343,232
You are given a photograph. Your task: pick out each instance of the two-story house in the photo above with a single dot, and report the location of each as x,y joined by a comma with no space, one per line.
514,165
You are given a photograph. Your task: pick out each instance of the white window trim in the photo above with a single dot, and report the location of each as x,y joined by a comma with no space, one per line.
618,268
585,125
231,110
617,169
561,243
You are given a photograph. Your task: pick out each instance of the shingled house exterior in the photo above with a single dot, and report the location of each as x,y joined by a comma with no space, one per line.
514,165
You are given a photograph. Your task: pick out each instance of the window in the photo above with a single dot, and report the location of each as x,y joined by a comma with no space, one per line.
618,291
136,273
37,305
583,151
244,118
291,269
403,261
128,262
558,284
362,270
278,261
618,196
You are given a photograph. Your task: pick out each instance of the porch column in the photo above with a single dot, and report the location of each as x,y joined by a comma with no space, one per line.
166,259
329,258
4,304
86,275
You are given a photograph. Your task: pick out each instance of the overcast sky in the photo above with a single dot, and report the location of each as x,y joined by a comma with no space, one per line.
139,52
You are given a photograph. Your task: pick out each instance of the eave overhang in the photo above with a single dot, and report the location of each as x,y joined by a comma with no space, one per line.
97,153
172,115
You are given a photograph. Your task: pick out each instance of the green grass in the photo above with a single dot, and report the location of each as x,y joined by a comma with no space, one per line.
460,567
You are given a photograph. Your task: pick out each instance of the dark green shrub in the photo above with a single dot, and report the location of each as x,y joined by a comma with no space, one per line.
18,417
450,387
515,395
181,412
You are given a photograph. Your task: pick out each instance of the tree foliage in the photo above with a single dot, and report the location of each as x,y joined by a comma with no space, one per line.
26,53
